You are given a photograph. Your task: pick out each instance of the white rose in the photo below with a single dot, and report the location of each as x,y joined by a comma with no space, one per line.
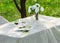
33,7
37,10
29,9
42,9
37,4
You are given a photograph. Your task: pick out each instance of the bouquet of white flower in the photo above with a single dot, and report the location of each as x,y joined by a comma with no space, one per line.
36,9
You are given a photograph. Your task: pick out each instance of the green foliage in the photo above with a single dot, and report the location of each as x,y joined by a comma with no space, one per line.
10,12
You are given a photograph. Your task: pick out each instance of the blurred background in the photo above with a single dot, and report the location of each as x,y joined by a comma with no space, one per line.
9,11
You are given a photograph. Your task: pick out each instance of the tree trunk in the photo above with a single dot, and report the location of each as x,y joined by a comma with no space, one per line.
22,10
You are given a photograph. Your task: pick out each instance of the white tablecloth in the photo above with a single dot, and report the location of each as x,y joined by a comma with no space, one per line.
46,30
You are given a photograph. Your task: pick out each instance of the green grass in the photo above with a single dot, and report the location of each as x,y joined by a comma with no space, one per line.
10,12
